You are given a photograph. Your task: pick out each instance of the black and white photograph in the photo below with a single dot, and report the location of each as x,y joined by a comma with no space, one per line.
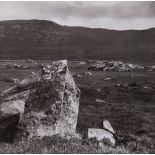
77,77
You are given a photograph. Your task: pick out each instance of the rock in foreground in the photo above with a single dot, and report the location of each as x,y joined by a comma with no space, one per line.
107,126
100,134
49,103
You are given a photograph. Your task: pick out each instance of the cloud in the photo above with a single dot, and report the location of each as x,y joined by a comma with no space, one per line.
113,15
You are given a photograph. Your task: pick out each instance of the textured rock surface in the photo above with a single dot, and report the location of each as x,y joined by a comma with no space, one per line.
49,100
101,134
107,126
118,66
11,112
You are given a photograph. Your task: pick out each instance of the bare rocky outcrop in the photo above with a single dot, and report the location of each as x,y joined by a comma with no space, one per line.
117,66
46,103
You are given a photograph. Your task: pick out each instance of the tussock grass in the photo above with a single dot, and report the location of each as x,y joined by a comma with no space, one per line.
56,144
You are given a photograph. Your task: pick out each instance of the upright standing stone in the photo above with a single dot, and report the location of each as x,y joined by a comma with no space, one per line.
51,102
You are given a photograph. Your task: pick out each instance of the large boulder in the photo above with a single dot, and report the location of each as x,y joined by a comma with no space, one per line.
100,135
46,103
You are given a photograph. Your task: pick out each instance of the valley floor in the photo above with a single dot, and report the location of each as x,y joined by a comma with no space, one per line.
128,102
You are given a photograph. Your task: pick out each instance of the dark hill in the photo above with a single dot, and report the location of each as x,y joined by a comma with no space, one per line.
38,39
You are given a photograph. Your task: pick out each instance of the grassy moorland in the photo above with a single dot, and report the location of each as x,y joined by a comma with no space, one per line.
129,108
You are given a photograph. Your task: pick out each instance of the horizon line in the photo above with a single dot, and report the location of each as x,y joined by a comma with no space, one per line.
33,19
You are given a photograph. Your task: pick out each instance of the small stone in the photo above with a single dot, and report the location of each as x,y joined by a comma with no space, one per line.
107,125
107,79
86,73
100,101
98,89
82,63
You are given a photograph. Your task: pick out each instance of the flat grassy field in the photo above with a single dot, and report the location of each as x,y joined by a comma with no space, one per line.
128,103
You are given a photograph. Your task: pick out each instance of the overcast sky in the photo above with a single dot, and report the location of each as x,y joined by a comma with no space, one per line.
111,15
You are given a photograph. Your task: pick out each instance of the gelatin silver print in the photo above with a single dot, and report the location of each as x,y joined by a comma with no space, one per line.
77,77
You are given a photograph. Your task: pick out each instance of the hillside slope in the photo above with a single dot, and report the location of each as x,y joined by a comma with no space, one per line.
38,39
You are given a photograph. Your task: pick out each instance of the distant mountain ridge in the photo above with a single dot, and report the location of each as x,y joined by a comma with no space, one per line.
40,39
